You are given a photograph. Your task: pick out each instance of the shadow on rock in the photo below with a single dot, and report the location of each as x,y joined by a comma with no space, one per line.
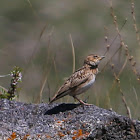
61,108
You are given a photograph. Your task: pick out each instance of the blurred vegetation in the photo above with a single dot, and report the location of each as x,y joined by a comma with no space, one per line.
12,92
35,36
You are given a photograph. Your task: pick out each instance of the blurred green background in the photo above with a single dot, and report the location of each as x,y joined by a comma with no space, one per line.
34,35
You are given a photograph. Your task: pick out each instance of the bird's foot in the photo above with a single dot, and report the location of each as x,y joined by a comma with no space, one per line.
82,102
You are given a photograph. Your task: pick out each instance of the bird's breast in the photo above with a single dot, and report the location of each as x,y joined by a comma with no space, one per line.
90,82
85,86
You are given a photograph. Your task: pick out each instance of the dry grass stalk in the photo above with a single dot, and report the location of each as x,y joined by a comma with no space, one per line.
31,6
134,21
45,77
73,53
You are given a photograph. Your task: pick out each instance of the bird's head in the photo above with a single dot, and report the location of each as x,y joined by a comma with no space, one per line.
93,60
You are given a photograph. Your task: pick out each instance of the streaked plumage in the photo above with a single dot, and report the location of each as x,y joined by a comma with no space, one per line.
81,80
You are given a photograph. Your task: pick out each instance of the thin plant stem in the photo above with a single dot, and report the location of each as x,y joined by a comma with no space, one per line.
73,53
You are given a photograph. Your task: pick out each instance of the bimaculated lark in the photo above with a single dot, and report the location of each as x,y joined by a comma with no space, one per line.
81,80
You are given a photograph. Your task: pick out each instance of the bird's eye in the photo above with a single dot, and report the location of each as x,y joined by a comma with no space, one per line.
95,56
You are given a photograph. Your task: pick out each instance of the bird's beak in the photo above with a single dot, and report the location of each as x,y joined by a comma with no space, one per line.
102,57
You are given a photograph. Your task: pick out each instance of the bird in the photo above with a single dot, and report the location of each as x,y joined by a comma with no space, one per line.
81,80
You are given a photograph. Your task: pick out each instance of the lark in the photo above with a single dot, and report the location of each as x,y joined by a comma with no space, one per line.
81,80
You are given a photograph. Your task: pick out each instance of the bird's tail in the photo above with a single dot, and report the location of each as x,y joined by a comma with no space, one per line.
58,96
53,99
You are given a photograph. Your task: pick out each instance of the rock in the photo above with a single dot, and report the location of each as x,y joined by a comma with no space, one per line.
64,121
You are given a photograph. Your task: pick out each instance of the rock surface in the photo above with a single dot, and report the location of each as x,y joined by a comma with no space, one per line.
63,121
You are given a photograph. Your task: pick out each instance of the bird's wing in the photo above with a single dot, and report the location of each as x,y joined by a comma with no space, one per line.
79,77
76,79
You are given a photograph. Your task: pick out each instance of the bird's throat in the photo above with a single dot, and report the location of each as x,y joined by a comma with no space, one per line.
93,66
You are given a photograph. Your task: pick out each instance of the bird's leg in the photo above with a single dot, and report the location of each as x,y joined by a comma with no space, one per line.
81,101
